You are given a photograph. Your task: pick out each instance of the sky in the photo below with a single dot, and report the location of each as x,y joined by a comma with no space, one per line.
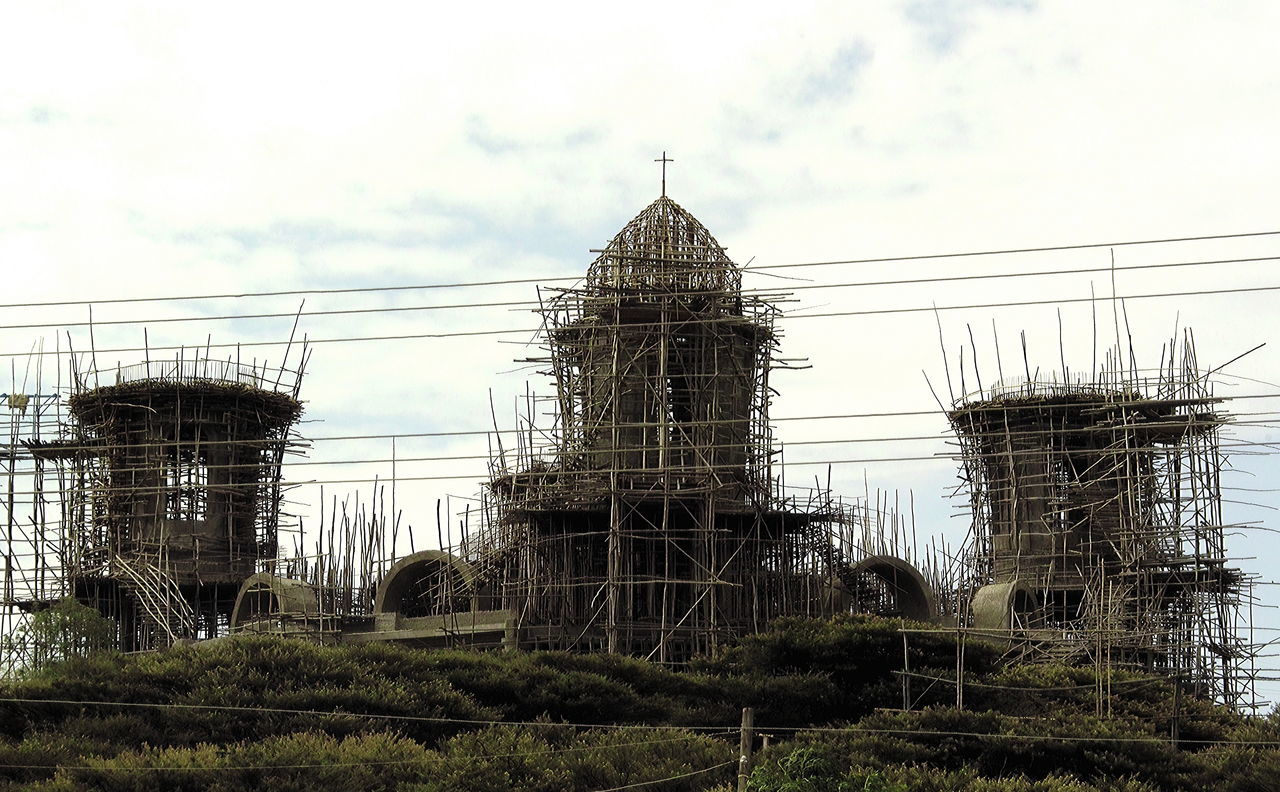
166,150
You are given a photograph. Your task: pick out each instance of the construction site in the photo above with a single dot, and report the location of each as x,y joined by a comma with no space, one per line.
652,517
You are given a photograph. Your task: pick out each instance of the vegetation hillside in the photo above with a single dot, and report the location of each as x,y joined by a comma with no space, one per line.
265,713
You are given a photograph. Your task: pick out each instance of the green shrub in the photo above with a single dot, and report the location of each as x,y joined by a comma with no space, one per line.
860,657
303,761
191,683
1025,729
65,630
552,759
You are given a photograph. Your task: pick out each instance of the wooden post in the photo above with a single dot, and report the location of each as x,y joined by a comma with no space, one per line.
744,748
906,675
1177,708
613,564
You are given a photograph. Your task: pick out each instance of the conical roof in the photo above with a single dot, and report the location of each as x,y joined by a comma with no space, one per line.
665,248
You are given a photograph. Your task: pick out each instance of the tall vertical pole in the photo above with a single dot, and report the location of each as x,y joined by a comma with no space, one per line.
745,739
906,674
1177,709
613,549
10,531
613,564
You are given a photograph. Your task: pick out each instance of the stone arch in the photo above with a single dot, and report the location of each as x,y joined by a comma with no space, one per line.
1004,607
264,595
426,583
913,597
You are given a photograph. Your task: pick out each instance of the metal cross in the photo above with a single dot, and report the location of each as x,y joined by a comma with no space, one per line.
664,162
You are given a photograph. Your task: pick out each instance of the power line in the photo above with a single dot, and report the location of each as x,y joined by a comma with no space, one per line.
302,441
544,279
609,326
950,456
639,784
712,730
1264,419
943,437
531,303
1008,736
938,438
1024,303
369,715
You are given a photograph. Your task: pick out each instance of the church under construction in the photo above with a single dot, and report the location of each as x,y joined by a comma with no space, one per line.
651,518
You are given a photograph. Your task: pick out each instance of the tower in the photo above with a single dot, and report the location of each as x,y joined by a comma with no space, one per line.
662,364
649,521
175,492
1097,523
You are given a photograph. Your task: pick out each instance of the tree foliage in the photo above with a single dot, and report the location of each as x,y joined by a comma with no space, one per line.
260,712
66,629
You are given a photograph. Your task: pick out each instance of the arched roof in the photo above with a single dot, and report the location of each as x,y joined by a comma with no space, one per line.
288,597
994,605
916,599
913,595
414,567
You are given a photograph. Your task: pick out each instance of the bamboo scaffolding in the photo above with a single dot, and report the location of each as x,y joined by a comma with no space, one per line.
1100,496
170,493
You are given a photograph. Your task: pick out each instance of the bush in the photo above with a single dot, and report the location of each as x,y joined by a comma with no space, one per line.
304,761
550,759
67,629
854,660
191,683
292,705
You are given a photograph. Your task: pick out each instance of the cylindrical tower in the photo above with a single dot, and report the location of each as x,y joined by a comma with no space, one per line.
181,478
1067,485
1056,484
655,528
668,357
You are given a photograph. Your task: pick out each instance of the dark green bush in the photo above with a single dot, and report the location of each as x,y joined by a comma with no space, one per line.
552,759
859,657
228,708
542,759
303,761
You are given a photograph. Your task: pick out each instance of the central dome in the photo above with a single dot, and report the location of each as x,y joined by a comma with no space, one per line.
666,249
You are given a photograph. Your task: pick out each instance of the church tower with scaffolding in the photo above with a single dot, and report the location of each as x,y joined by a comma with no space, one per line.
651,523
649,519
171,492
1098,532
